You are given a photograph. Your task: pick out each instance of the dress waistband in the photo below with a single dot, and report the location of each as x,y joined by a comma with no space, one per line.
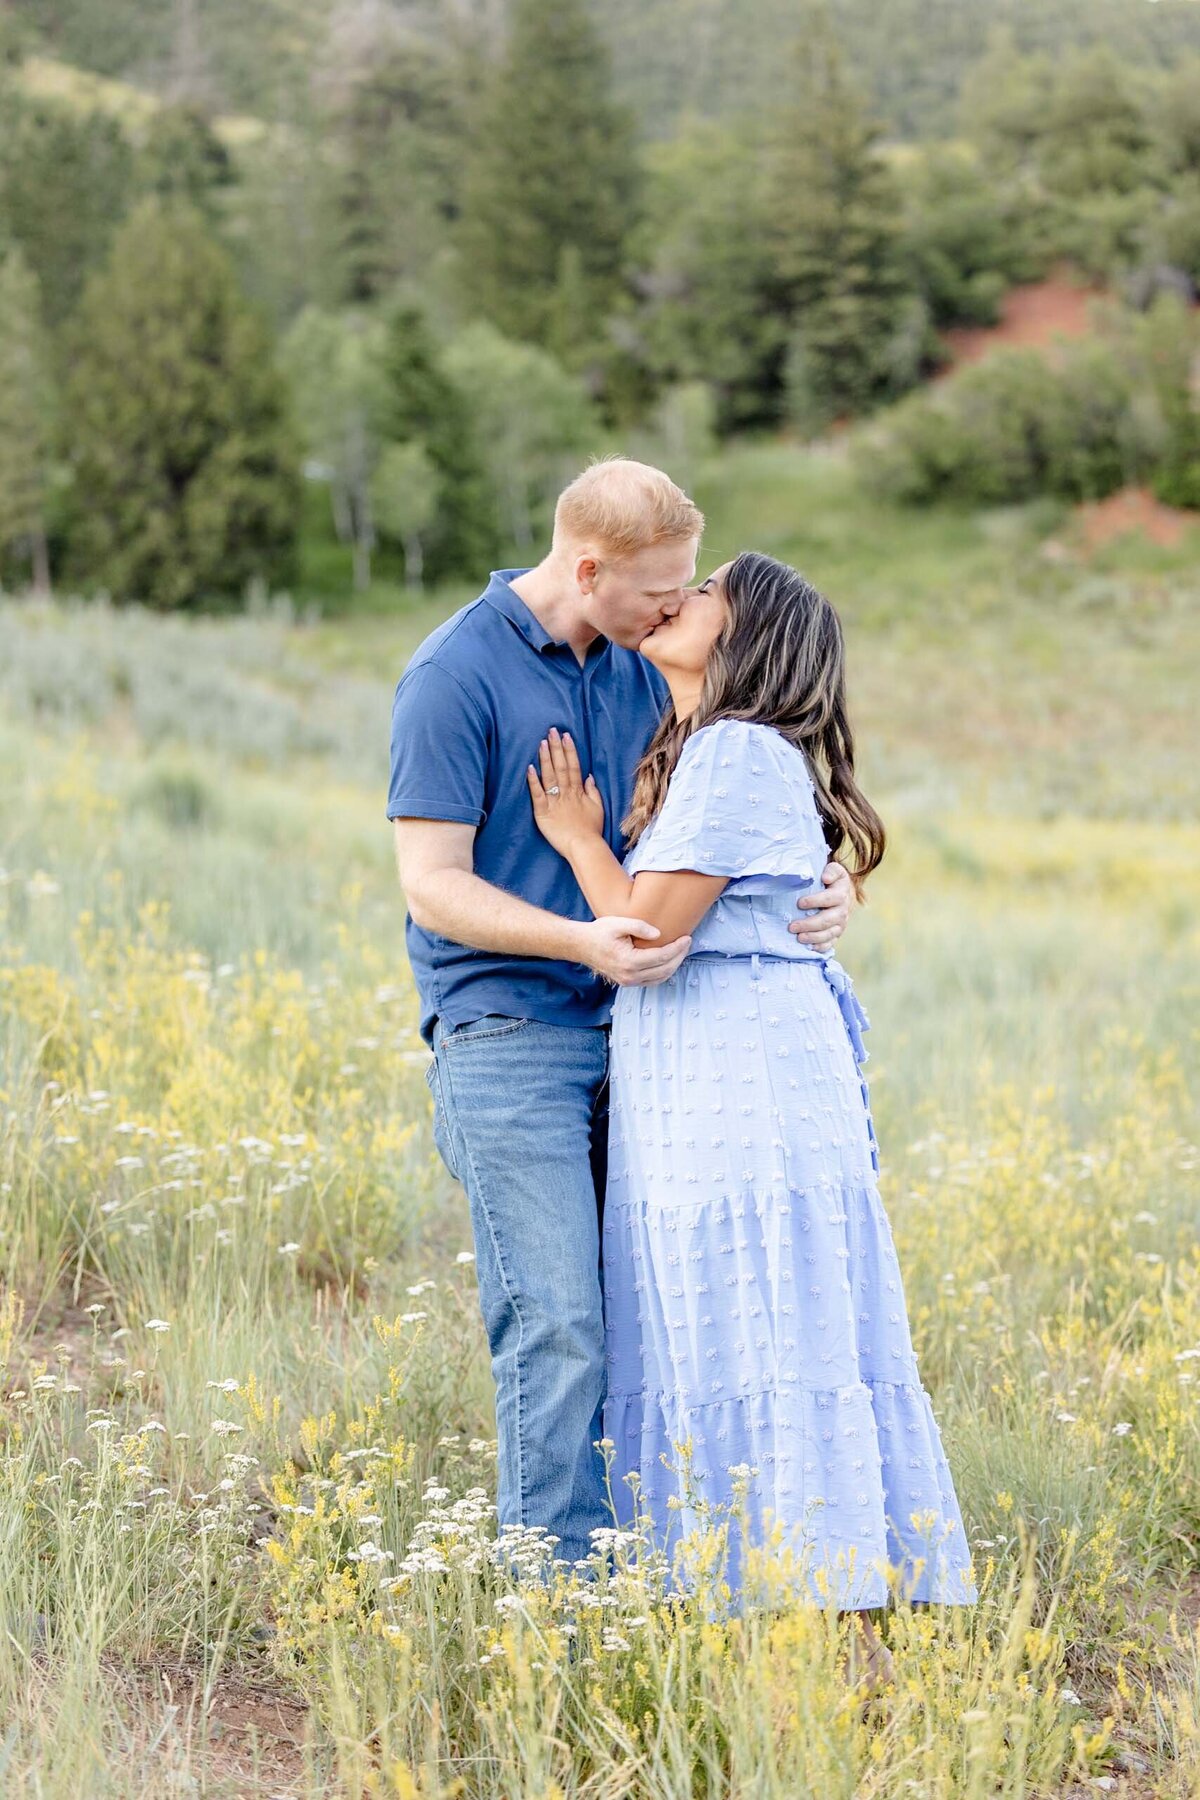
851,1006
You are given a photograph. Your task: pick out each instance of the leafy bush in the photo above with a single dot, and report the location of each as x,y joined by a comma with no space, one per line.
1018,425
182,797
1168,344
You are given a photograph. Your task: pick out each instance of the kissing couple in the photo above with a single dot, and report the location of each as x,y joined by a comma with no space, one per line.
605,777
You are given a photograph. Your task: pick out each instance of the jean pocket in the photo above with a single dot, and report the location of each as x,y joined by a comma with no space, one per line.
441,1127
492,1025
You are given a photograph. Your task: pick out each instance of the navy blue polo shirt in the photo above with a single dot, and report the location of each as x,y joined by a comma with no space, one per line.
468,715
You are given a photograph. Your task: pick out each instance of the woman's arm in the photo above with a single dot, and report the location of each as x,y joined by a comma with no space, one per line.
674,900
573,821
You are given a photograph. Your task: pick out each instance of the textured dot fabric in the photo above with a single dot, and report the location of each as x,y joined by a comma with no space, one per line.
755,1314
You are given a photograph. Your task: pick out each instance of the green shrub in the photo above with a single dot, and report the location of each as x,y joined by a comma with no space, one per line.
1168,344
180,796
1019,425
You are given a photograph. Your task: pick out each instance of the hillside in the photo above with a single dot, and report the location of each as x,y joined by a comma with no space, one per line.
671,56
1034,315
65,84
908,56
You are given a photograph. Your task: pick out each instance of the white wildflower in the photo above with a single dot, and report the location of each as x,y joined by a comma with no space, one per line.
370,1552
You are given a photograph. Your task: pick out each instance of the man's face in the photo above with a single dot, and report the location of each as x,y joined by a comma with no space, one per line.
683,644
628,596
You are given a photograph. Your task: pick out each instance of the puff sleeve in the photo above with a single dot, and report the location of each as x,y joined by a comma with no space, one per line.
740,803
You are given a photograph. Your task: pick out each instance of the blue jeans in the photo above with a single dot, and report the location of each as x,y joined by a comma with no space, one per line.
521,1119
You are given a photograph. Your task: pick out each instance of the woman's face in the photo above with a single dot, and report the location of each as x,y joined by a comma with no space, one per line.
681,644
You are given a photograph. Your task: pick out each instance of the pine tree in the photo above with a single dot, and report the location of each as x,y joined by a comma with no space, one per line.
551,185
422,404
712,306
26,417
186,477
65,184
858,334
182,157
392,137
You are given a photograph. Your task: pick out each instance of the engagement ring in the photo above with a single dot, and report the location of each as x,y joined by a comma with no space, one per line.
552,790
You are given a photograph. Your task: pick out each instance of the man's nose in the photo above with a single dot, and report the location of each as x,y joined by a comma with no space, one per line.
671,607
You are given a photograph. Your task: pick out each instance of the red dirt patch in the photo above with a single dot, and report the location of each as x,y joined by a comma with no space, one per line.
1031,317
1132,509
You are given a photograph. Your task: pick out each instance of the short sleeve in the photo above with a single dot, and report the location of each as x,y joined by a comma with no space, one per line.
439,749
739,803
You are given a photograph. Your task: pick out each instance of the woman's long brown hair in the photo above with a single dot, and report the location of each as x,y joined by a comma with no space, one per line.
780,661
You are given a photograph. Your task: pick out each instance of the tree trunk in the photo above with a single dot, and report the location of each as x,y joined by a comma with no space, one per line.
342,524
358,493
362,562
520,523
363,529
40,552
414,560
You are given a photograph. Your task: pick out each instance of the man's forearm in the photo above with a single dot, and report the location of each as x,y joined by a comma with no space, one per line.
462,906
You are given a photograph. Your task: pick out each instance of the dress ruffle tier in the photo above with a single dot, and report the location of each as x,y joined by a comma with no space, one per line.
831,1412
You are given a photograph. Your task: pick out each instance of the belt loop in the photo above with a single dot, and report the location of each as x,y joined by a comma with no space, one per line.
754,968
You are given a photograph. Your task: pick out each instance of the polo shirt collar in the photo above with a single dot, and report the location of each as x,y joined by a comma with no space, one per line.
505,598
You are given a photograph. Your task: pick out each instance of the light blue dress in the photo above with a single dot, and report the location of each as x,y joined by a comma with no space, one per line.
754,1307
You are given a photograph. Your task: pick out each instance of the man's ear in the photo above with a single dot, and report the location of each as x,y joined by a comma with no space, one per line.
586,569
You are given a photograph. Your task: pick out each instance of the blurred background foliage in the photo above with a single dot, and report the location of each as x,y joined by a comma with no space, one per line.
330,297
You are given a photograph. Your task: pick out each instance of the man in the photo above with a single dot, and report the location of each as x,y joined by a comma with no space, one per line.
513,974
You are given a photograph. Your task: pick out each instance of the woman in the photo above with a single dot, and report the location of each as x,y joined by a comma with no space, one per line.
755,1313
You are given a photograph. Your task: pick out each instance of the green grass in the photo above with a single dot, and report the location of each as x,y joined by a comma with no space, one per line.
213,1115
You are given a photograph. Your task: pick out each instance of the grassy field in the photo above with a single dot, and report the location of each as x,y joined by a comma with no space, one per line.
246,1439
